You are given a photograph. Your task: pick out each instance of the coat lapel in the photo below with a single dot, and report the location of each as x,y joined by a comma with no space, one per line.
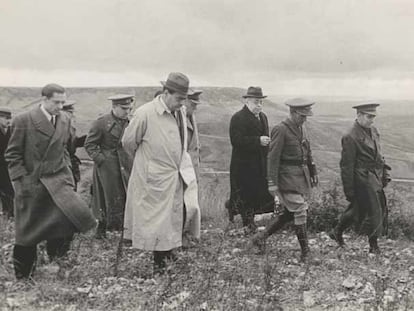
252,119
293,128
364,138
41,123
61,126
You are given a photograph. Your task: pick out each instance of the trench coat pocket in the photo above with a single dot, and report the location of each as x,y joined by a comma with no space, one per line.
159,176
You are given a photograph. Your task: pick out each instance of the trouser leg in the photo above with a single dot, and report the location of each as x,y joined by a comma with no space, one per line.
345,221
7,204
373,245
24,261
57,248
160,260
275,224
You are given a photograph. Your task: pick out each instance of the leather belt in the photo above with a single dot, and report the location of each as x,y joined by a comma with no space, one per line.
292,162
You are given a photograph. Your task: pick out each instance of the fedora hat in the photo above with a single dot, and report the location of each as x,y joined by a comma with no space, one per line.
177,82
254,92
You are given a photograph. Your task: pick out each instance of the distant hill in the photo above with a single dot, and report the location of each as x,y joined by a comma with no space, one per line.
332,119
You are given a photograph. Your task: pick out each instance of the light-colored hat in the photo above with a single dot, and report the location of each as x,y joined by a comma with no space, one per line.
122,99
367,108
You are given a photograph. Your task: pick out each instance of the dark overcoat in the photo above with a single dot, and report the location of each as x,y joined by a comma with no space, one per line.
290,157
248,162
364,175
111,171
46,205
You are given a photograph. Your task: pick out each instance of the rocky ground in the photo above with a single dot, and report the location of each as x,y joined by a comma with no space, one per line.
220,273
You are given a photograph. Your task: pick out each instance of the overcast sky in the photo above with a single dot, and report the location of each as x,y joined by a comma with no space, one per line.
304,47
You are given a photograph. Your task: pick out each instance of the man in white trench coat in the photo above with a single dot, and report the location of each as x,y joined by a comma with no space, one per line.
156,139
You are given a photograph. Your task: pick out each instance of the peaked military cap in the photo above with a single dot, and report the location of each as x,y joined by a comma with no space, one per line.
194,96
69,105
5,112
254,92
367,108
122,99
301,106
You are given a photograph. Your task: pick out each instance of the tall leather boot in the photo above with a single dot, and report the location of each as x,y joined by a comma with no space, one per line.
373,245
302,236
258,240
24,261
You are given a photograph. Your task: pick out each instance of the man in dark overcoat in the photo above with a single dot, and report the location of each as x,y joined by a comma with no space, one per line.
291,173
249,135
78,142
46,205
364,176
6,187
112,164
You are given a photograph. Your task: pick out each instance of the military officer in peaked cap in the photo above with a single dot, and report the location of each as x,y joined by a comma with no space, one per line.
364,175
291,173
6,188
77,141
112,164
192,213
249,136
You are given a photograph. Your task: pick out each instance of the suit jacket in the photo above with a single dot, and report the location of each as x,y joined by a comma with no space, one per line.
39,165
289,158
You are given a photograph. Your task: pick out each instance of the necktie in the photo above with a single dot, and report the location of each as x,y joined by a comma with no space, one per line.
53,120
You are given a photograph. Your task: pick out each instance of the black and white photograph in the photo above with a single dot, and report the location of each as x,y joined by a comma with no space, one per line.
207,155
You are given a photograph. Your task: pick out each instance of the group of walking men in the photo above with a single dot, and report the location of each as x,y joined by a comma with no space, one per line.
281,167
145,178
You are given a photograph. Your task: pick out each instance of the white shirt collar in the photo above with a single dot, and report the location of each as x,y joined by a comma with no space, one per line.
164,105
47,114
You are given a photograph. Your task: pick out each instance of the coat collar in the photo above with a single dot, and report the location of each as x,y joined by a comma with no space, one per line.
253,119
363,136
294,128
41,123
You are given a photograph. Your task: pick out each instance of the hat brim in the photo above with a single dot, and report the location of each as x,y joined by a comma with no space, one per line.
197,102
370,113
305,114
252,96
164,84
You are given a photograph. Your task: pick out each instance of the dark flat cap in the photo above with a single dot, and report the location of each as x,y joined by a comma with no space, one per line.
301,106
194,96
254,92
122,99
5,112
367,108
